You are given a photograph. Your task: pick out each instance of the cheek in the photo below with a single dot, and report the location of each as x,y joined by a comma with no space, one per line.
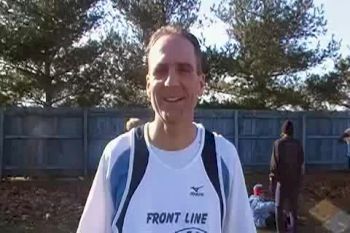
153,89
195,88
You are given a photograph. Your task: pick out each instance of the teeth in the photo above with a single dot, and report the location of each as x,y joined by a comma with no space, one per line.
172,99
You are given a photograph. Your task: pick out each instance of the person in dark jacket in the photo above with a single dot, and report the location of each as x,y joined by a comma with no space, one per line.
286,173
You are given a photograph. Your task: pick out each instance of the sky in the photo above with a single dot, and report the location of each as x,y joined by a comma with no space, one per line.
336,12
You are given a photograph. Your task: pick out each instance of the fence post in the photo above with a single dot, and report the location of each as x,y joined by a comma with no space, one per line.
85,143
236,129
2,137
304,135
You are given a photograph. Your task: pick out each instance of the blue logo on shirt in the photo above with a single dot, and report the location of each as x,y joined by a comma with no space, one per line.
191,230
196,189
196,192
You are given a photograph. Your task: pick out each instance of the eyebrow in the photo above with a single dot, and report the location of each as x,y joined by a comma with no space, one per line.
181,64
161,65
176,63
184,64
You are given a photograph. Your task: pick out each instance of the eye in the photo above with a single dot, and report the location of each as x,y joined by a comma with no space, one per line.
161,71
184,68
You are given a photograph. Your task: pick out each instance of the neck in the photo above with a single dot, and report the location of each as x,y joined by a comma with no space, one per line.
171,137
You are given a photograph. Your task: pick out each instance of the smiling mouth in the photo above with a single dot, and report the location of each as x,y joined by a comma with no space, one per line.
173,99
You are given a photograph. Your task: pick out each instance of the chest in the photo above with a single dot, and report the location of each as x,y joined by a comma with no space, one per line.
168,200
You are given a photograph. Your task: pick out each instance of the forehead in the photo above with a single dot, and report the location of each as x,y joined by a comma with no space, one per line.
171,49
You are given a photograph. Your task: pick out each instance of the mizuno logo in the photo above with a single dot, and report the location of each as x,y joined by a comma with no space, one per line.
196,192
196,189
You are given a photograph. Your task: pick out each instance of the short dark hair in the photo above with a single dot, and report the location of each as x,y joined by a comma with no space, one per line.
177,30
287,128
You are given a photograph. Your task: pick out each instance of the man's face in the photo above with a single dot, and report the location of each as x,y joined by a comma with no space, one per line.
173,82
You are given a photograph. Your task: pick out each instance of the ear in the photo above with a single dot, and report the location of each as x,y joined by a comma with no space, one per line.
201,84
148,91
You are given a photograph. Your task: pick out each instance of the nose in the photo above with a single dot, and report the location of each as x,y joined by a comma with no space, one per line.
172,78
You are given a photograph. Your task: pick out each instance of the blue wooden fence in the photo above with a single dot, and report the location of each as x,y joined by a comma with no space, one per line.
69,142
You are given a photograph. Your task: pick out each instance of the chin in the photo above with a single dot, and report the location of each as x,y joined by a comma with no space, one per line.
170,118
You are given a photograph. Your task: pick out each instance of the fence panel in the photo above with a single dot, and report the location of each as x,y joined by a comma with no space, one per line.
70,141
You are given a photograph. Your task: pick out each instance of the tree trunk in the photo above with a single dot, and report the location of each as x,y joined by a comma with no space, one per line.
48,85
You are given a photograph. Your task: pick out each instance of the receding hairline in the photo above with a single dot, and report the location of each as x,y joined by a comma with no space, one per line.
159,47
182,33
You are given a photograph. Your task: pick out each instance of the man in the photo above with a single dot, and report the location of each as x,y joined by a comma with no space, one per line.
181,178
286,172
132,123
263,209
346,138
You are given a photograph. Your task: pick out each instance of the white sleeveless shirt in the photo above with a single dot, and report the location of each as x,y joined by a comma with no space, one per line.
172,197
